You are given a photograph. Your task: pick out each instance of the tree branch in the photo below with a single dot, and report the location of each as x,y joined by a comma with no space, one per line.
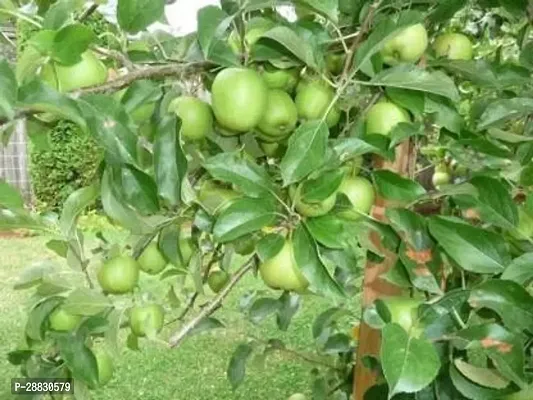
116,55
160,71
211,307
365,27
88,12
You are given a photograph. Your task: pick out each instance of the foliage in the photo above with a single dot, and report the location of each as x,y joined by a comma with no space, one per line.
226,199
67,161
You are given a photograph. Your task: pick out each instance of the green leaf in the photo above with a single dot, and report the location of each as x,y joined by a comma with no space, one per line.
242,217
170,162
520,270
329,230
508,299
414,78
235,168
323,323
289,303
205,325
423,267
487,377
409,364
262,308
338,343
411,100
59,13
329,8
8,88
20,219
306,151
86,302
309,262
10,196
526,56
109,124
348,148
139,190
135,15
212,25
71,42
116,208
79,359
35,325
392,186
139,93
39,97
501,111
295,44
384,31
60,247
237,365
472,391
504,348
74,206
269,246
404,131
444,114
494,202
319,189
474,249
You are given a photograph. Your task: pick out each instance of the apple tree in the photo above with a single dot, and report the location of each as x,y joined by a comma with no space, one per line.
394,132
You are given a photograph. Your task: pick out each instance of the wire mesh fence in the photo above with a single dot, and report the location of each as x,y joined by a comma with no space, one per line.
14,162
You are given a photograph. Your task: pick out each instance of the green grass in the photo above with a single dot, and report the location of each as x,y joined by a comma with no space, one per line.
197,369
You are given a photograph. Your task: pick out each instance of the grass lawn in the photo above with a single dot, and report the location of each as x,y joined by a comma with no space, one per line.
194,371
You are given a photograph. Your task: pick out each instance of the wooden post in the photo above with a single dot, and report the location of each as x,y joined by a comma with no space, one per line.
374,287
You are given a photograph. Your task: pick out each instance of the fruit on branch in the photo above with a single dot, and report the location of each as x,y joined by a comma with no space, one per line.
282,79
244,245
383,117
255,28
146,320
313,100
196,117
270,149
104,365
62,321
279,118
185,243
361,195
404,312
90,71
441,176
454,46
353,167
335,63
217,280
406,47
152,260
119,275
239,98
281,271
215,198
311,209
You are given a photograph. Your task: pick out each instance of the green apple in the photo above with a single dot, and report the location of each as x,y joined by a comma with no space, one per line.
145,320
406,47
311,209
361,195
215,198
63,321
281,271
119,275
279,117
152,260
255,28
282,79
383,117
196,117
404,312
454,46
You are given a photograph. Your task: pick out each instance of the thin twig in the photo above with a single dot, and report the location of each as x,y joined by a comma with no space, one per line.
365,27
88,12
116,55
211,307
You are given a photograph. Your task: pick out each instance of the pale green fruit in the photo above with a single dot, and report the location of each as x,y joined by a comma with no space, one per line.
280,116
454,46
196,117
119,275
406,47
90,71
239,98
282,273
311,209
361,195
404,312
146,319
313,99
282,79
152,260
383,117
62,321
526,394
255,28
215,198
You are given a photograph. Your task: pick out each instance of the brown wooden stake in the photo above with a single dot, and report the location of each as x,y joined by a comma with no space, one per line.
374,287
